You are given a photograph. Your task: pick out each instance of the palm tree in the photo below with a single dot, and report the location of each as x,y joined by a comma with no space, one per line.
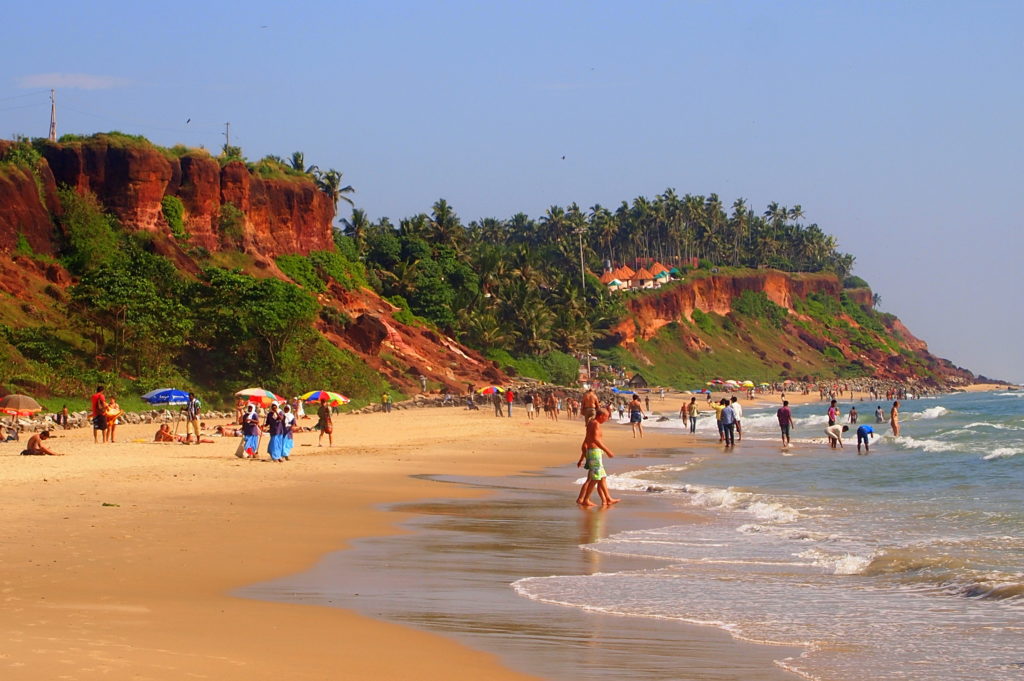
356,226
330,183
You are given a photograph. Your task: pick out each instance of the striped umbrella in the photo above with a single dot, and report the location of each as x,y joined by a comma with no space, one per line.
259,396
333,399
490,390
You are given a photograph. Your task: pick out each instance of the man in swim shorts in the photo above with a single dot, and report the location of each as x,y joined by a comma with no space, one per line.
37,448
863,433
591,451
588,405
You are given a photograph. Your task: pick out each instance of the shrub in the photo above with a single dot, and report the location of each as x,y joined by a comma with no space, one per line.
833,353
300,270
231,225
90,238
174,213
703,321
756,304
561,368
855,282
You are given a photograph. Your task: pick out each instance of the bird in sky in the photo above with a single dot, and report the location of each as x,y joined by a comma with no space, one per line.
188,121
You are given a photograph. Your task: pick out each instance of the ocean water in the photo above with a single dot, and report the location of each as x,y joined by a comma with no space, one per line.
904,564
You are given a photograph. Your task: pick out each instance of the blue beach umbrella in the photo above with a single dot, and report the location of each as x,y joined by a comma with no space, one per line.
166,396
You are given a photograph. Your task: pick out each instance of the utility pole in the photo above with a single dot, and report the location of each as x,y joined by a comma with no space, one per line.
227,134
53,116
583,292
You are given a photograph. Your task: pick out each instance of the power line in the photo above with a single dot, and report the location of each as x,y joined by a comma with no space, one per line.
32,93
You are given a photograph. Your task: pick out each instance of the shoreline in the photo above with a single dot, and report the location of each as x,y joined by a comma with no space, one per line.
123,558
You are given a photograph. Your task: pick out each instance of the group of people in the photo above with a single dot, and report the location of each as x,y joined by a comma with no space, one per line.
105,414
592,451
834,430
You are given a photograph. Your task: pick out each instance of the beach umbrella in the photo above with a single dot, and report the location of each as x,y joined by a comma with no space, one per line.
259,396
764,385
19,405
166,396
333,399
490,390
748,384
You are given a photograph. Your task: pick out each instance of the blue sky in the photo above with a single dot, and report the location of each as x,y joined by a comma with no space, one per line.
896,125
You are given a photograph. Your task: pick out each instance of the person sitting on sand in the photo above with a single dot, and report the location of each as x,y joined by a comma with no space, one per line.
11,435
591,451
164,434
37,448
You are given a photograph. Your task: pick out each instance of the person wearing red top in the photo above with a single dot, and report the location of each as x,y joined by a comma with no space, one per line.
99,413
785,421
510,397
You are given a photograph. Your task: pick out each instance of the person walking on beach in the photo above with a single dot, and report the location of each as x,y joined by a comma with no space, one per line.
99,413
863,433
729,424
191,411
591,451
496,403
636,416
324,424
589,405
510,397
62,418
785,417
719,407
684,414
113,413
694,412
275,426
551,406
250,432
737,410
835,435
894,418
288,422
385,402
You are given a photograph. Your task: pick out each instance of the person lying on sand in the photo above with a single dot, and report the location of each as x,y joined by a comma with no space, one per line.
37,448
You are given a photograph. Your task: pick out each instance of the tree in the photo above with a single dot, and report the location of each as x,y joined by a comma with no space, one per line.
329,183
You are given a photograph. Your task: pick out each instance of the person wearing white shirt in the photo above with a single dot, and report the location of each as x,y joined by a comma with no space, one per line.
737,411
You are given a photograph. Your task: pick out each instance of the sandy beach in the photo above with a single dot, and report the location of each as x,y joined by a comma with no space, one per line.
119,559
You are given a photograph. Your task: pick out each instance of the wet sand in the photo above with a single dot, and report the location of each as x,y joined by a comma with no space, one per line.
453,573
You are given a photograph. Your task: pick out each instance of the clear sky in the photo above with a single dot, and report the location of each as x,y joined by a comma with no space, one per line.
898,126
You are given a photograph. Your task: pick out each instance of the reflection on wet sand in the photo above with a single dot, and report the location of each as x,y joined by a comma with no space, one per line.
452,573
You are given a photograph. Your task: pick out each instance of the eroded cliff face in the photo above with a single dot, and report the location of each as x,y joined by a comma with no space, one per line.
802,348
278,217
715,294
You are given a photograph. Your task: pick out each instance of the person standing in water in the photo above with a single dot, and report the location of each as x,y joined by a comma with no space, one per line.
694,411
863,434
879,416
785,417
636,416
591,452
894,418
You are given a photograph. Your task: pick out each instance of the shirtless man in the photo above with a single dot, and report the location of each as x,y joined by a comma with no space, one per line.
894,419
591,451
588,407
37,448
